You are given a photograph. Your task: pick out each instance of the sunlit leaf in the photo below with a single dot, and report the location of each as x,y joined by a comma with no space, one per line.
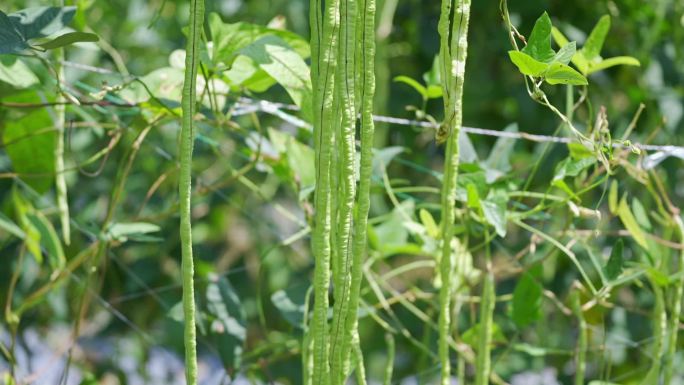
527,64
594,43
630,223
49,239
16,73
413,84
613,61
539,43
559,73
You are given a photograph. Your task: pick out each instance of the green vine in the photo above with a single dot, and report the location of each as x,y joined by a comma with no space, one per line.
185,185
453,30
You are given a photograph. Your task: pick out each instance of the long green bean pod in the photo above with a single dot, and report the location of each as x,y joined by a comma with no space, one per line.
345,86
659,335
676,308
453,30
185,185
366,78
484,360
324,24
582,340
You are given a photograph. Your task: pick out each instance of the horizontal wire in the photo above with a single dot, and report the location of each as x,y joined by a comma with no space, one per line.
248,105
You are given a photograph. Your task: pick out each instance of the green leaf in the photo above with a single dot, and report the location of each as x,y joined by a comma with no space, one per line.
413,84
49,239
429,223
539,43
32,23
229,327
470,336
616,261
526,64
631,224
600,382
10,39
16,73
9,226
494,211
579,151
30,145
613,198
558,37
291,304
613,61
640,214
572,167
559,73
565,54
527,301
228,39
282,63
592,47
70,38
122,231
498,162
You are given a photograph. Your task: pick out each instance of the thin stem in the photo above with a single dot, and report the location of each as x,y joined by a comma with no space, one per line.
187,138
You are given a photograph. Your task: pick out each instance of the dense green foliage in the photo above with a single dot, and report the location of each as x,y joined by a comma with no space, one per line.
327,246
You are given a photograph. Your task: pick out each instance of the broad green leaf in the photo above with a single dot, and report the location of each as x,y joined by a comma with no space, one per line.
413,84
229,327
32,23
616,261
527,301
630,223
16,73
594,43
613,61
433,77
392,236
10,39
526,64
291,304
30,145
559,73
539,43
228,39
565,54
572,167
494,211
283,64
70,38
49,239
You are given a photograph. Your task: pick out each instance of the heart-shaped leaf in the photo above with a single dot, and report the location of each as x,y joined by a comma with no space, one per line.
559,73
527,64
539,44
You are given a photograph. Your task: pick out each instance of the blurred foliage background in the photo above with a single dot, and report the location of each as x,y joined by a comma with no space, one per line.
250,211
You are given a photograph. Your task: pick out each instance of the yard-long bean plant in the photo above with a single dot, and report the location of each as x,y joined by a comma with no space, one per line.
343,78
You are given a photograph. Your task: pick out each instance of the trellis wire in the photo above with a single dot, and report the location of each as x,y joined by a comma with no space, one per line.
248,105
